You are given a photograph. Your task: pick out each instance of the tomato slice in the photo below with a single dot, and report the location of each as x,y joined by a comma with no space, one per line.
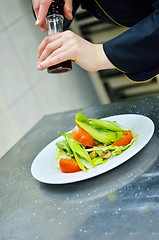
125,139
83,137
69,165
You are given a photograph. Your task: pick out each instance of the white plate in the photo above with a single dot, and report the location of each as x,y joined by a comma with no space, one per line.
44,170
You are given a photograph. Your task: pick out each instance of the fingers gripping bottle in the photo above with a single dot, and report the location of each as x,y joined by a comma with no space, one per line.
55,24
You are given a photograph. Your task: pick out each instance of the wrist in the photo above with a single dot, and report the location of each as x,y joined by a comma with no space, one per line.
103,61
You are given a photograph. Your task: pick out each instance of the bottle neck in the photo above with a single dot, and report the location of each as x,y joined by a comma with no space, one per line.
55,23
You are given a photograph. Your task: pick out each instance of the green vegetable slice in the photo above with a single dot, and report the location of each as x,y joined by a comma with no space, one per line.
103,137
78,150
113,126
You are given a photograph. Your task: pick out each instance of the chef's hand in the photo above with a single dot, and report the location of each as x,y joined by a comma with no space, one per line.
67,45
41,8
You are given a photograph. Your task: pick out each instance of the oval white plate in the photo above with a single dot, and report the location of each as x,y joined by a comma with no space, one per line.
44,170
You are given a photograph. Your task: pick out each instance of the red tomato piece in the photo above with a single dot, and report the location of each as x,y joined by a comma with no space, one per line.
69,165
125,139
83,137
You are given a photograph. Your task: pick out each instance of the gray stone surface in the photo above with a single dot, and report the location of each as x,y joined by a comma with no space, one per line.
120,204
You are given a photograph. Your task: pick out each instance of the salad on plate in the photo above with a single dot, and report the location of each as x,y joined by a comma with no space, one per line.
92,142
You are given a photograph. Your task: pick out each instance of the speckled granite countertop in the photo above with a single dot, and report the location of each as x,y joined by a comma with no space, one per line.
120,204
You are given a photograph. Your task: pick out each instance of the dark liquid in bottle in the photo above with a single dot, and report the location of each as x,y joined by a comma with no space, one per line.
61,67
56,7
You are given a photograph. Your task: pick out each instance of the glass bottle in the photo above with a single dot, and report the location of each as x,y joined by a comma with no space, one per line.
55,24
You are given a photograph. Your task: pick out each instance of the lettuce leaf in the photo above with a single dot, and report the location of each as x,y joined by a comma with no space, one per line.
98,161
64,145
